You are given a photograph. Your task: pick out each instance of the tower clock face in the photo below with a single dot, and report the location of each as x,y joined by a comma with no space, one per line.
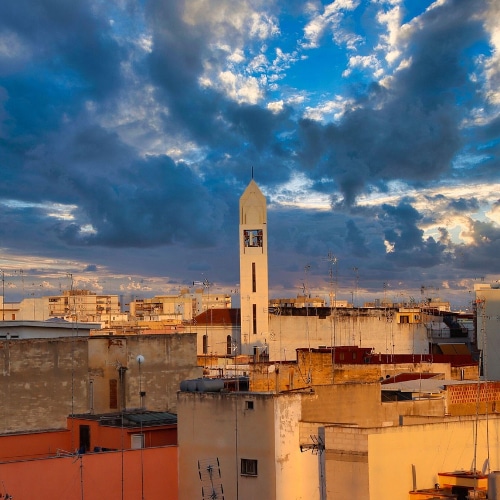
252,237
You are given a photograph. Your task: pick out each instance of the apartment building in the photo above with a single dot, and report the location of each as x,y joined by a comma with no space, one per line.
360,440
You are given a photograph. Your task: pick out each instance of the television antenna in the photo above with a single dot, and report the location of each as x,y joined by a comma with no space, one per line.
316,445
6,496
210,477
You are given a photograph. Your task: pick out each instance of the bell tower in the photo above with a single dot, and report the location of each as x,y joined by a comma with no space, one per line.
254,291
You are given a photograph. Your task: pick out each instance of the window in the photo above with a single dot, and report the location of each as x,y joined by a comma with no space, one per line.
404,319
229,345
137,441
254,318
113,394
248,467
254,279
248,405
84,439
205,344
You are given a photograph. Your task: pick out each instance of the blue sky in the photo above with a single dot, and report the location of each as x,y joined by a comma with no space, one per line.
129,130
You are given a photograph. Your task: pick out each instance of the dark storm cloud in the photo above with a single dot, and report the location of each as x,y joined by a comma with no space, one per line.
409,247
356,240
69,41
151,202
483,253
413,129
67,56
464,205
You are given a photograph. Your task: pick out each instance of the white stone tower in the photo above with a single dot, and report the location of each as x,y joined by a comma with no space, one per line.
253,271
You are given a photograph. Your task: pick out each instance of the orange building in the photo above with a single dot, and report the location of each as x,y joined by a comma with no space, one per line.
120,456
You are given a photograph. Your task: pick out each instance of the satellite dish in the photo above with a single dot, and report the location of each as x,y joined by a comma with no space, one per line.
140,359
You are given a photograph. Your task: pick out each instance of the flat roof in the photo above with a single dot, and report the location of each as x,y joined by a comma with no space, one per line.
427,385
71,325
131,418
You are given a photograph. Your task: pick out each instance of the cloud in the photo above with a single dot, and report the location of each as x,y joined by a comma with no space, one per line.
128,131
412,130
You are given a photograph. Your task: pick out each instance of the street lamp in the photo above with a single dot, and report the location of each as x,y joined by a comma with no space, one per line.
140,361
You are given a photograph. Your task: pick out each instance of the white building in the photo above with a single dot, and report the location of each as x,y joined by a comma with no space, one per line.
10,330
488,327
394,330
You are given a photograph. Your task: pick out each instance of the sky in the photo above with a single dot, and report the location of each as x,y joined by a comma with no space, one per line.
130,128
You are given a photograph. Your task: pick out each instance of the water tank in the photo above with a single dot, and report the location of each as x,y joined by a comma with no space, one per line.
210,385
202,385
494,485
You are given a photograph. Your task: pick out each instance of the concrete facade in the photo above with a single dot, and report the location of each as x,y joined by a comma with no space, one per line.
45,329
72,305
147,473
396,330
254,290
347,364
376,450
488,327
389,462
228,428
218,332
338,441
43,381
177,309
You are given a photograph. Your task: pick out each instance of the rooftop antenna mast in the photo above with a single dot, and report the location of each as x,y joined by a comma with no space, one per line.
306,293
333,305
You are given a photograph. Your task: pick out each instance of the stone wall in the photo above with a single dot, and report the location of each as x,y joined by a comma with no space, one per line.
44,380
315,368
41,382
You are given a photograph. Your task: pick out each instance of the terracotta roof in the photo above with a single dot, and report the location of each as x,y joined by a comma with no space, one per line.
218,317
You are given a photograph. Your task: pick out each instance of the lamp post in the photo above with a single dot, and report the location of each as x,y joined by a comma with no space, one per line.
140,361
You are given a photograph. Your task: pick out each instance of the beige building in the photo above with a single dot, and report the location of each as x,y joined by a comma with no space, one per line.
254,291
338,441
178,309
72,305
42,381
251,438
346,365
